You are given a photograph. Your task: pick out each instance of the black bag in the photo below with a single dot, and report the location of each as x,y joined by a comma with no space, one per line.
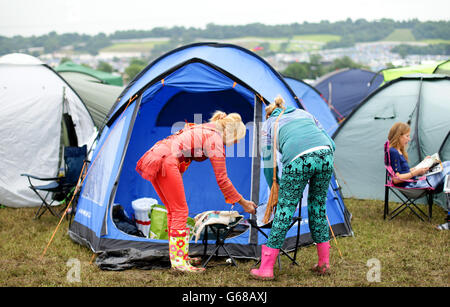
124,223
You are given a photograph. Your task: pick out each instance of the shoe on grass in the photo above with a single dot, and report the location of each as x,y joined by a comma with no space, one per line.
444,226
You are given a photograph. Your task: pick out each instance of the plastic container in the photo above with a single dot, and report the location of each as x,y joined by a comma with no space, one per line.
142,207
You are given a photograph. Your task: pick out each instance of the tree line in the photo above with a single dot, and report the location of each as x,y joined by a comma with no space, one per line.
315,68
350,31
435,49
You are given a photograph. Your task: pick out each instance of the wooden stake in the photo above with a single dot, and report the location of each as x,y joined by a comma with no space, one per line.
334,237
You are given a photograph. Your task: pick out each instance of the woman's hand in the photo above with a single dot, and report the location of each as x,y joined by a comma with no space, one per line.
420,171
248,205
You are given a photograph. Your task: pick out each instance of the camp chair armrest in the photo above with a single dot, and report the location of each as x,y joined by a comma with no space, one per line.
39,178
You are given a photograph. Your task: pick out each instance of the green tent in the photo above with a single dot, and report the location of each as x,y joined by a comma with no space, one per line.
441,67
95,75
444,151
98,97
422,100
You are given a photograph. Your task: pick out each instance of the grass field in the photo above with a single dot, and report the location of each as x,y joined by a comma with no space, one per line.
145,46
401,35
295,44
410,253
435,41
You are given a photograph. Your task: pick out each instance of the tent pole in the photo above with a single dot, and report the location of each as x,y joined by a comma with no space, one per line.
79,183
416,128
256,164
104,230
334,237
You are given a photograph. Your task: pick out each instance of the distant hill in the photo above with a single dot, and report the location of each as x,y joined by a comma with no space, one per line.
272,38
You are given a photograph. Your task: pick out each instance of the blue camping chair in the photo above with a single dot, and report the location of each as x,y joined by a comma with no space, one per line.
61,187
408,196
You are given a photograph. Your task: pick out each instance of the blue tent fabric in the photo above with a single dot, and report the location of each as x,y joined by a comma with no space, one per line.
348,89
314,103
178,88
218,55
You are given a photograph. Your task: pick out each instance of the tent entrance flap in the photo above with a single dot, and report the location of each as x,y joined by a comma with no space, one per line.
164,112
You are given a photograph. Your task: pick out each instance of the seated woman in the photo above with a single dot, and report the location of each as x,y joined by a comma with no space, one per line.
399,137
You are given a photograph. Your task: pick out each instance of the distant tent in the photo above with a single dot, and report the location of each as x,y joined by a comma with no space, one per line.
40,112
441,67
186,84
314,103
91,74
344,89
98,97
423,100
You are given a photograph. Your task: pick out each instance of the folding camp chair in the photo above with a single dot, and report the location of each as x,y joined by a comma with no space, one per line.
60,187
295,219
408,196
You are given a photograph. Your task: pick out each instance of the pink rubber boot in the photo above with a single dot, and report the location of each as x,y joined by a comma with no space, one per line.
268,258
323,252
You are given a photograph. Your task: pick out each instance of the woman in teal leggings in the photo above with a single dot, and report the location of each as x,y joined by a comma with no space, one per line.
307,158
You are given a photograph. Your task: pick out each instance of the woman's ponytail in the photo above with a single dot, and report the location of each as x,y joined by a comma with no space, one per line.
230,124
278,103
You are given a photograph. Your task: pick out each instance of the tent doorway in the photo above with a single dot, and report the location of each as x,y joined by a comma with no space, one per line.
165,112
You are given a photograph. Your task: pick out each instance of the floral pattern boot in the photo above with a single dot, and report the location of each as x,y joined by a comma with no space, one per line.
178,251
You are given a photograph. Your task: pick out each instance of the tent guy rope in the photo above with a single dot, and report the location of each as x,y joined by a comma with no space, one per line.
79,184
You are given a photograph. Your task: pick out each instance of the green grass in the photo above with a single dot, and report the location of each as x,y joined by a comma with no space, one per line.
321,38
435,41
411,254
133,46
296,44
400,35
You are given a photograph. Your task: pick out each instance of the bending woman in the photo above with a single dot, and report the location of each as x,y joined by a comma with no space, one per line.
399,137
164,164
307,157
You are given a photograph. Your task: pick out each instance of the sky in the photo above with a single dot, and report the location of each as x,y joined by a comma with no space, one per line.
38,17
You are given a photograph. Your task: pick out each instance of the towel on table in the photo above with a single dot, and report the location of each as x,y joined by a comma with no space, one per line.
230,218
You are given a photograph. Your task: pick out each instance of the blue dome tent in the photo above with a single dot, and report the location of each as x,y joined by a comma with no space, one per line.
346,88
186,84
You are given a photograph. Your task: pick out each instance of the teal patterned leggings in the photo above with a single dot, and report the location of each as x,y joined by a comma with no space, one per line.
315,168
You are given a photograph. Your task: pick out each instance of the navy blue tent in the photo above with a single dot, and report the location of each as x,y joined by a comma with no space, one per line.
346,88
187,84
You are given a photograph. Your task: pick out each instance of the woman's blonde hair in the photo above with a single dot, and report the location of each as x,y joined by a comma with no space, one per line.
278,103
231,126
396,131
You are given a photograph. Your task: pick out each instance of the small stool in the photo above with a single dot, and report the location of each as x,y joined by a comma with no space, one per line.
221,233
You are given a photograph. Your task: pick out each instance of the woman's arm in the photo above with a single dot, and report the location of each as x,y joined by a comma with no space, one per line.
215,151
410,175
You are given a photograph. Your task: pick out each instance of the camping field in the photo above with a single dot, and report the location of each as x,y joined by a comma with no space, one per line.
404,252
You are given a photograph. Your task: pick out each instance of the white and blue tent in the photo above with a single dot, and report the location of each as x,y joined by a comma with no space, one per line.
186,84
